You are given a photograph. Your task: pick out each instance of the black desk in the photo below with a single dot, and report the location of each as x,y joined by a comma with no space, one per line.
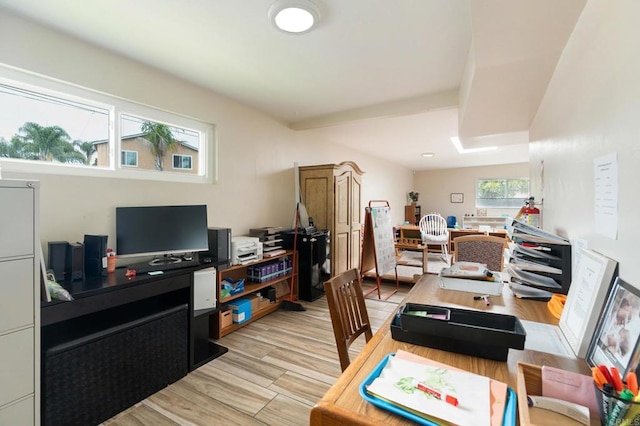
117,327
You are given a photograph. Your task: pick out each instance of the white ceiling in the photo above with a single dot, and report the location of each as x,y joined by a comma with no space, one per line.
392,78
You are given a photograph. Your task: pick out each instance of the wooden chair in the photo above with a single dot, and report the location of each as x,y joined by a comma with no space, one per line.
433,229
348,312
485,249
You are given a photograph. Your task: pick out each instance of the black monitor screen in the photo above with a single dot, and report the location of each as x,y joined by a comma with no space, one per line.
161,230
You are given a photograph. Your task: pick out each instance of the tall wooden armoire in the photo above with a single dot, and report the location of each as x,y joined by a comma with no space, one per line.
331,194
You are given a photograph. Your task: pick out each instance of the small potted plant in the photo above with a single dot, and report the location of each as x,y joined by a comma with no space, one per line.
413,196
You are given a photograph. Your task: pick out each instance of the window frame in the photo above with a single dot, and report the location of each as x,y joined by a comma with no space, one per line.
207,158
502,206
128,151
173,156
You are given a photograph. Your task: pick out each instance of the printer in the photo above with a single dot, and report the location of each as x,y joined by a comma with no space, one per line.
245,250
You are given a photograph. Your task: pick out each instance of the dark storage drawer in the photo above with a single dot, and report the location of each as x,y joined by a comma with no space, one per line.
482,334
92,377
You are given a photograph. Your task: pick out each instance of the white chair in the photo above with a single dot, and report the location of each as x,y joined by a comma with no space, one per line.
433,229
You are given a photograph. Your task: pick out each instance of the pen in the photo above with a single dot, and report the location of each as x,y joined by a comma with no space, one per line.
443,396
483,297
598,377
606,373
616,380
486,300
632,382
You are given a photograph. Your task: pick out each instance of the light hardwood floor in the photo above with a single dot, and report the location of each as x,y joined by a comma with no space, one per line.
276,369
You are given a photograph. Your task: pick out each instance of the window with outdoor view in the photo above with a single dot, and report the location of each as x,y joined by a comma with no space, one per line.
182,162
47,125
501,193
129,158
40,127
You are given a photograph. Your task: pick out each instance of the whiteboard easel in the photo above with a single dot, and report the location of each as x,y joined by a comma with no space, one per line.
378,244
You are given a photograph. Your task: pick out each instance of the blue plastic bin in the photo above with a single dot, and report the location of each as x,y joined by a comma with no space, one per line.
451,221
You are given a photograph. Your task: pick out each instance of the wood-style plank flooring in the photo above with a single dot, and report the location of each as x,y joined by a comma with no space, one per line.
276,369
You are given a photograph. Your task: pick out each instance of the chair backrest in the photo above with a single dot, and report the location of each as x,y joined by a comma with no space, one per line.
433,224
485,249
348,312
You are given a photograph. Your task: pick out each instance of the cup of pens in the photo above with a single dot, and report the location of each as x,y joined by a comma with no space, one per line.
618,401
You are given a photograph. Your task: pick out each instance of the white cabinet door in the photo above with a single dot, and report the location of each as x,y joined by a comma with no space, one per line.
16,222
16,294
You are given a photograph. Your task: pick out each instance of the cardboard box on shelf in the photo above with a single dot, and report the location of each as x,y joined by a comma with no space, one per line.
263,303
282,289
255,300
226,318
241,309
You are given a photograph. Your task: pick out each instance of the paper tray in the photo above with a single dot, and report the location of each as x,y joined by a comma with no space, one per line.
508,419
476,333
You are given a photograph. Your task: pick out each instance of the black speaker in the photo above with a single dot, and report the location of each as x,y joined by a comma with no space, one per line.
219,244
74,269
95,255
58,258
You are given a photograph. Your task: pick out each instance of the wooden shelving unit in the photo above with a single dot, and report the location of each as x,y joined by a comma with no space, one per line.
474,222
237,272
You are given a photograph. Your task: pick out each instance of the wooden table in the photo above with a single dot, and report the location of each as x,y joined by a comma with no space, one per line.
342,404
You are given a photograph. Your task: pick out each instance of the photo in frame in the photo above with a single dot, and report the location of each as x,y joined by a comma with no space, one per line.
615,341
457,197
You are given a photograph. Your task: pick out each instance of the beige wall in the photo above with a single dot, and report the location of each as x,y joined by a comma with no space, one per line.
592,109
435,188
256,153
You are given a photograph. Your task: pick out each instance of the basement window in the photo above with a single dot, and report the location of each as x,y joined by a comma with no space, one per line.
52,127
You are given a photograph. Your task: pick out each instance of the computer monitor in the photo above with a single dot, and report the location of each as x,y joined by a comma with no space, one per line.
165,231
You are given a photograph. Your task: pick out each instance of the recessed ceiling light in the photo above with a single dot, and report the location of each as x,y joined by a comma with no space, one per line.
461,150
294,16
428,154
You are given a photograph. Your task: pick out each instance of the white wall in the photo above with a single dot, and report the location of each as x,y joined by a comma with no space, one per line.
591,109
435,188
256,153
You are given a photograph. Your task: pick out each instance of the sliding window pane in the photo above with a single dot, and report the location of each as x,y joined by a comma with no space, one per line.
158,145
42,127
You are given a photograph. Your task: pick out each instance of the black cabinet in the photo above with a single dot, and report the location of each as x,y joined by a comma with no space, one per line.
121,339
313,261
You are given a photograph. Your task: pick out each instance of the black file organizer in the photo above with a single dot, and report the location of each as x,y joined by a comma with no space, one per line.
560,258
482,334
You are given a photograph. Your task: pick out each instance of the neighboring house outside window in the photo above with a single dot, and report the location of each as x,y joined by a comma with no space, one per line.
54,124
182,162
145,159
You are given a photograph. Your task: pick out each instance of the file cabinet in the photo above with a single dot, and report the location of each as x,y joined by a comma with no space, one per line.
20,303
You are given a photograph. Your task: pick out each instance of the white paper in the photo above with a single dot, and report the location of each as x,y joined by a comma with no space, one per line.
606,195
470,390
546,338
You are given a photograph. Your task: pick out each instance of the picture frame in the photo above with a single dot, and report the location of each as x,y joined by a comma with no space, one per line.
457,197
592,281
615,340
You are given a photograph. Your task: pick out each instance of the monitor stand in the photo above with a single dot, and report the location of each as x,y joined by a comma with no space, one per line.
167,259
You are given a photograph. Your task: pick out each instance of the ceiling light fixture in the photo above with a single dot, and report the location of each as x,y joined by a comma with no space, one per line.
294,16
461,150
428,154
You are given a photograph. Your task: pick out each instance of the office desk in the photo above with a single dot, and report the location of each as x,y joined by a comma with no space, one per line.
342,404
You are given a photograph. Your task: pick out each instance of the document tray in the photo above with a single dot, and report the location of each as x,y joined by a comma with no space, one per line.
476,333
